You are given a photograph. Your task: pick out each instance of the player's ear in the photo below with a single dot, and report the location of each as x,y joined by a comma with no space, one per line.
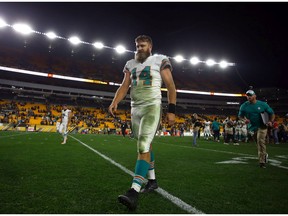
150,47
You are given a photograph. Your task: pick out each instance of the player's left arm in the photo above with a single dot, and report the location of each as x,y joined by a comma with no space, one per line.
171,94
271,113
242,115
271,119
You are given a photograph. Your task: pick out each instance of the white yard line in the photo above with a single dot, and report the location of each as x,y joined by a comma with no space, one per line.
226,152
199,148
178,202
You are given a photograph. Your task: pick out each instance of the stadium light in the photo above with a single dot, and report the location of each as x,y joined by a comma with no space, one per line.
22,28
120,49
98,45
74,40
51,35
178,58
194,60
210,62
25,29
2,23
223,64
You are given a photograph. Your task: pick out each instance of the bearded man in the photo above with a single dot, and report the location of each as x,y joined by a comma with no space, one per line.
144,75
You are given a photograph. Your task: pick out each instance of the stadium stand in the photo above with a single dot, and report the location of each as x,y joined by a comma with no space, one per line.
90,101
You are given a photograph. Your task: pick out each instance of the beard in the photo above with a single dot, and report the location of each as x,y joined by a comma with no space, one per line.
142,56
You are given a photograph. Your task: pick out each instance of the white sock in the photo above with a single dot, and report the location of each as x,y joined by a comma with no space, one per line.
136,187
151,174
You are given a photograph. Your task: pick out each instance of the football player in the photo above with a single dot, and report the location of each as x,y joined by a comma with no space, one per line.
207,130
238,129
66,115
145,74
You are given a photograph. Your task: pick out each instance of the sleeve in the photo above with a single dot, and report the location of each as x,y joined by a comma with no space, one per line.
165,64
241,111
126,68
268,109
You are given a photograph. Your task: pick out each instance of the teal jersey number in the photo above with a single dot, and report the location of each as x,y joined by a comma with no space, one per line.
144,76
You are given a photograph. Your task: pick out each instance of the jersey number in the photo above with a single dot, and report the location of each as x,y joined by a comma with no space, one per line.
144,76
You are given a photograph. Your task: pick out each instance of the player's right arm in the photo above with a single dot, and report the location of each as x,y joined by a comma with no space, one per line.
120,93
242,115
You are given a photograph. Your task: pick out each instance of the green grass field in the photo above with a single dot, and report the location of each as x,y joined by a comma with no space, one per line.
38,175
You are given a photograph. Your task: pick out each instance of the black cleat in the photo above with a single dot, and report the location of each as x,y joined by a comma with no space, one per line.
150,186
262,165
129,199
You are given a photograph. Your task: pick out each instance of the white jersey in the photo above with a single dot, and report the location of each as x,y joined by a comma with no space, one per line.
244,129
239,124
146,80
207,125
57,125
65,116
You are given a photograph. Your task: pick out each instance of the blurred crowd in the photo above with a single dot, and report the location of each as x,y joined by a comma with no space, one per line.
231,129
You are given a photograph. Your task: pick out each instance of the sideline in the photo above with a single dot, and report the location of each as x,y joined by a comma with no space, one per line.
178,202
18,134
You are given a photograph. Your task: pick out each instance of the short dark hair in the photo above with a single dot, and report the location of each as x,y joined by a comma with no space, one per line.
144,38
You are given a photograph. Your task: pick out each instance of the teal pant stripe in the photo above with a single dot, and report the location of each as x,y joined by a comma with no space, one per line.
152,156
141,171
151,161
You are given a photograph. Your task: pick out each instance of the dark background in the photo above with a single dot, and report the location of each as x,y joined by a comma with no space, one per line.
252,35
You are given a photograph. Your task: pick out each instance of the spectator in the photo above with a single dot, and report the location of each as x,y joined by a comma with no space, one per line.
216,129
196,124
275,130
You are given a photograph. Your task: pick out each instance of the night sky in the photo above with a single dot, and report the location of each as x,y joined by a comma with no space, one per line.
252,35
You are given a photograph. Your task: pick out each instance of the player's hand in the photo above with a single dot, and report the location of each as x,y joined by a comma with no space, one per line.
113,108
170,118
269,124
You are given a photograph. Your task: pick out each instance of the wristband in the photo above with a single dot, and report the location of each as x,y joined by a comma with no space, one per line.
171,108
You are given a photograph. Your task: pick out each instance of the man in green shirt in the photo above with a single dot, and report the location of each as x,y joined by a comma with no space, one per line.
252,112
216,129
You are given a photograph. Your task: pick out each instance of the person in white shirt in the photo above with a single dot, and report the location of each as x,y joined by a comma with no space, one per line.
238,129
58,126
207,130
66,115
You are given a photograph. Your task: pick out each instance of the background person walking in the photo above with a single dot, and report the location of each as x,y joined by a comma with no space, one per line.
252,112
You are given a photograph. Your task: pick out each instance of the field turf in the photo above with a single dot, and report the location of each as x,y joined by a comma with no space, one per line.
38,175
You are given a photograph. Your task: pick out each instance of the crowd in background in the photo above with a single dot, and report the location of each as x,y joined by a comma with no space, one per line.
231,129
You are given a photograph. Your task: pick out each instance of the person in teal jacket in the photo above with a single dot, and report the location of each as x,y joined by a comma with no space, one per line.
216,129
253,112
